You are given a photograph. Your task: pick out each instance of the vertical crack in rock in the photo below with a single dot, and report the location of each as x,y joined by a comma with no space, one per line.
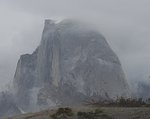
45,54
56,59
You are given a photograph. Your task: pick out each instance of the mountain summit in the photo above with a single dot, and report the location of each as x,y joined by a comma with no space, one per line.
72,64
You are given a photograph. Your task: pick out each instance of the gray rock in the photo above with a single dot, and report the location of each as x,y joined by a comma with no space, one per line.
8,106
72,64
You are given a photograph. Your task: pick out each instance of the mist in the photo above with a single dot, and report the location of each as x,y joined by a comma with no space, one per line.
124,23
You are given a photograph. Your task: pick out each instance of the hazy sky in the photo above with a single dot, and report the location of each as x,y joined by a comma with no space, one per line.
124,23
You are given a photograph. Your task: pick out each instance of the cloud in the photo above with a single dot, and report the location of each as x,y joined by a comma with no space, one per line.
124,23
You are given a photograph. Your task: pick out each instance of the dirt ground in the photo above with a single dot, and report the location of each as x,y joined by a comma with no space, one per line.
128,113
114,112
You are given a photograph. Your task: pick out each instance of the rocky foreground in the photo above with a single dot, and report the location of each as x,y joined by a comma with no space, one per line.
104,112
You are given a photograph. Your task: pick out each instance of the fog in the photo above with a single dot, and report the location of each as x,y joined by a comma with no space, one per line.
124,23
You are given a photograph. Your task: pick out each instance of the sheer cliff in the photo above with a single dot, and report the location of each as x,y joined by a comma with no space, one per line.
73,63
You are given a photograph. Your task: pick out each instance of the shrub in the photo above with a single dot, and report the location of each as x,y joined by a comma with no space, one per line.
97,114
63,113
66,113
122,102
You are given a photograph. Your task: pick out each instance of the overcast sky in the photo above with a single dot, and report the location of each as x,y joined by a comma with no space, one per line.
124,23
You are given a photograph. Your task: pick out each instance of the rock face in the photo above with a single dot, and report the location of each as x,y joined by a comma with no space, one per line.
73,63
7,105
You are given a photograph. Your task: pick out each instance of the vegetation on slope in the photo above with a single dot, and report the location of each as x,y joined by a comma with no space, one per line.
121,102
67,113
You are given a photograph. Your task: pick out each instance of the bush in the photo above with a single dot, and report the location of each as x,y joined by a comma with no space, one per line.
97,114
67,113
63,113
129,102
122,102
